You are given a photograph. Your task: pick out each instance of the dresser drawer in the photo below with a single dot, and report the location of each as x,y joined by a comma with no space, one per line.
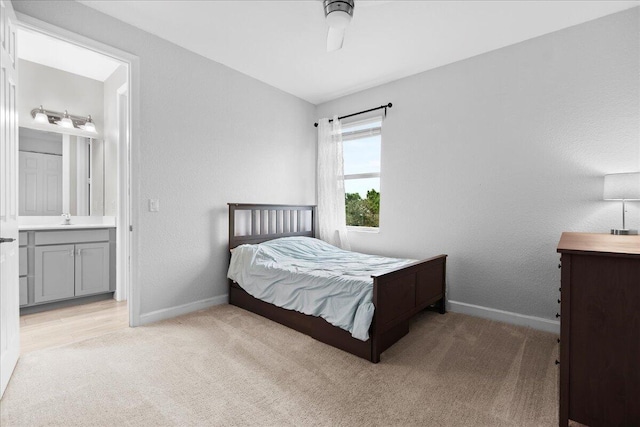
59,237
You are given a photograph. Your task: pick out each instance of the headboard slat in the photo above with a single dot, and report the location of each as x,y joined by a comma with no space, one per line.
254,226
265,222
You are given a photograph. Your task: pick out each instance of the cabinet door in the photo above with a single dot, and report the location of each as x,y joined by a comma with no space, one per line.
92,268
54,272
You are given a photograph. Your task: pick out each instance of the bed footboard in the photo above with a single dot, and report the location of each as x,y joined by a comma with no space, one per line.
400,294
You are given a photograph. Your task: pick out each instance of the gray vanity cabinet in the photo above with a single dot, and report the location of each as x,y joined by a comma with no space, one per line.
92,268
66,264
55,271
24,267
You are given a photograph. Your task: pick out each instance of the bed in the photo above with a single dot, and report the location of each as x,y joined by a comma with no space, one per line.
397,295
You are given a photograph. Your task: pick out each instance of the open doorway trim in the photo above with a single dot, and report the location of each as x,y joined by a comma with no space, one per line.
131,172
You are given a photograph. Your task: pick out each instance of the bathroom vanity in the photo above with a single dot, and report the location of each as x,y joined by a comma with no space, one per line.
61,263
67,243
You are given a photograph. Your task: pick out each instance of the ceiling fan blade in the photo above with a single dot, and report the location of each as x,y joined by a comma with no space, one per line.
335,37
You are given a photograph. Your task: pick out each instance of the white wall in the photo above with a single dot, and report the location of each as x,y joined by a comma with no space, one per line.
208,135
490,159
111,131
57,90
40,142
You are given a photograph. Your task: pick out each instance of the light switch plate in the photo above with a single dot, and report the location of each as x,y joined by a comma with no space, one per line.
154,205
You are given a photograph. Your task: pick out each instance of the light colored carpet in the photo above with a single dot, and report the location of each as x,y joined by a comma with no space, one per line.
225,366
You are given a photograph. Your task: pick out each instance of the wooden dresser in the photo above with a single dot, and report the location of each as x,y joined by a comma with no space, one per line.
600,330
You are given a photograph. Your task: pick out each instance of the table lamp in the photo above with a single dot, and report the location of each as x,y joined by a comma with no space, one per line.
625,187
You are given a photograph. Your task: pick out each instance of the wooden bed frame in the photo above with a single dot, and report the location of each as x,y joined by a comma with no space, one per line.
397,295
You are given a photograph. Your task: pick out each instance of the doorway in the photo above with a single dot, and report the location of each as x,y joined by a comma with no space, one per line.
103,159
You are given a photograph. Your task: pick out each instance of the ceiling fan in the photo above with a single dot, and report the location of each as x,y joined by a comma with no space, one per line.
338,14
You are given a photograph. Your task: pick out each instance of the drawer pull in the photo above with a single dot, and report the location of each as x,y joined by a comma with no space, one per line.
557,362
557,315
558,301
559,289
558,340
559,265
71,252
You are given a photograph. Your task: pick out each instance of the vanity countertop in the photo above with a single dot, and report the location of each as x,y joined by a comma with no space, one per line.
25,227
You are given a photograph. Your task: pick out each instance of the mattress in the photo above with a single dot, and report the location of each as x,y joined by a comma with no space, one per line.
313,277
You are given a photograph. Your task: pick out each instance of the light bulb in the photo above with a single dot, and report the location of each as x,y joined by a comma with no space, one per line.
66,121
89,126
338,19
41,117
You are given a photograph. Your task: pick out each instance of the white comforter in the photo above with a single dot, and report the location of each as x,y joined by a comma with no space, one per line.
313,277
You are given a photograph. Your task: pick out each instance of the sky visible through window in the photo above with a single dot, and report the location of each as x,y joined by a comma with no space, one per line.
362,156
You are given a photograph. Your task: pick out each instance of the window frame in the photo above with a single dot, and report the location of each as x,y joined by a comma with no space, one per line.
361,134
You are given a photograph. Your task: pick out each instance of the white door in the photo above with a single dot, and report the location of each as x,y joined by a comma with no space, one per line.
9,266
39,184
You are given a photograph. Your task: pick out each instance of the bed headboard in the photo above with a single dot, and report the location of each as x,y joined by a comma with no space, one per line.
257,223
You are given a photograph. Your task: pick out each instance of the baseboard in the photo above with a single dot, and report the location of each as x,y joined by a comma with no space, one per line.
179,310
31,309
538,323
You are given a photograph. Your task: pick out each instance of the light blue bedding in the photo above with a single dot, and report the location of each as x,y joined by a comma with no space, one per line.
313,277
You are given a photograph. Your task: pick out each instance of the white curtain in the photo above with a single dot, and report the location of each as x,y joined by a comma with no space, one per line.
331,210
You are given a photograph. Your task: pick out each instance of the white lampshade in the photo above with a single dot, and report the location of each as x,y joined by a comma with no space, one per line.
622,186
66,121
89,126
41,117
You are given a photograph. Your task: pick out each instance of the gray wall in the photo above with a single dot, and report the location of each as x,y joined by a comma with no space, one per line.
208,135
491,158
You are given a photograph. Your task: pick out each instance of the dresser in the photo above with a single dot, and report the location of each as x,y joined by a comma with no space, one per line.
600,329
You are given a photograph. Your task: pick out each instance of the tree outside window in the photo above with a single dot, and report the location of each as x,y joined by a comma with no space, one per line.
361,146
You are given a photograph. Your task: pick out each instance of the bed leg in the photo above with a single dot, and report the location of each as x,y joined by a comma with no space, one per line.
442,306
375,348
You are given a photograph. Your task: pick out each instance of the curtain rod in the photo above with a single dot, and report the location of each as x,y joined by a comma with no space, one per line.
389,105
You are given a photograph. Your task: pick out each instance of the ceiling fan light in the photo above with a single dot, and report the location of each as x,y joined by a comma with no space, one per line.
338,13
338,19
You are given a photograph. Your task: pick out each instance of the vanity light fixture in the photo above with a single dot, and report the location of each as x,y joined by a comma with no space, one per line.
89,126
65,120
40,116
623,187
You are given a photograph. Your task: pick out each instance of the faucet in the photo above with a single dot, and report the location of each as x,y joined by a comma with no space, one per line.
67,218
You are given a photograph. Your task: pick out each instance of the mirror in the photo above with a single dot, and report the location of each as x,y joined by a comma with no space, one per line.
60,173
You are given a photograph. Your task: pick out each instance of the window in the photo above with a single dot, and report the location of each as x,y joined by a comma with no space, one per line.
361,147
